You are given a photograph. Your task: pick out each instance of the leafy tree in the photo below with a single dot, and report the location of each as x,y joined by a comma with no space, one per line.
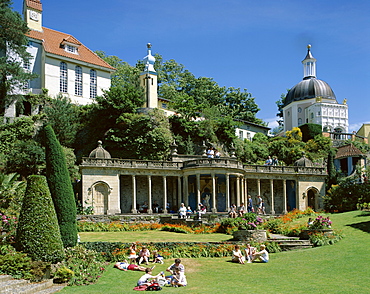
62,115
10,189
13,54
60,188
332,172
280,104
38,231
140,136
309,131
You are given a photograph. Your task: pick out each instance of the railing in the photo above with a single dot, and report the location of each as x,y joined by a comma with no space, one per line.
202,163
213,162
130,163
284,169
337,138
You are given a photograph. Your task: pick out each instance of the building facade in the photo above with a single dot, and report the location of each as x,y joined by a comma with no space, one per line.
63,64
121,186
313,101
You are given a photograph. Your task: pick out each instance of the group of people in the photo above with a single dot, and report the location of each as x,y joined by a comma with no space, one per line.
240,210
213,153
251,254
186,212
176,278
143,256
272,161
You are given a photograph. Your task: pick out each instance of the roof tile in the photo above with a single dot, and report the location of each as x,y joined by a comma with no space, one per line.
35,4
348,151
53,39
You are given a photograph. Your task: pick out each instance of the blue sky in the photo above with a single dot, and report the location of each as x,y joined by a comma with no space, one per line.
256,45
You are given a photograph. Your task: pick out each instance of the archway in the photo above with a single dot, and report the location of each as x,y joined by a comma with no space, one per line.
100,194
312,198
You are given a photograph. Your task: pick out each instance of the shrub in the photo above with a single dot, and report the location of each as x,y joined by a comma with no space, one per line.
16,264
87,266
63,275
60,188
38,231
322,239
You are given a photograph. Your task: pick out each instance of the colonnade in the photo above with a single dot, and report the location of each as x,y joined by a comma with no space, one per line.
237,191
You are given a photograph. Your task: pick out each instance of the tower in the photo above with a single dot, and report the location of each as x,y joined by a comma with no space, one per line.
313,101
32,11
148,79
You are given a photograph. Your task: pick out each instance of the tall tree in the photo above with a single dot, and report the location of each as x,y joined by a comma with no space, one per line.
13,54
60,188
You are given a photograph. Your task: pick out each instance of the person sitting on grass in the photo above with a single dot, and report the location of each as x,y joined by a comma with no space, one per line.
147,277
144,255
237,255
179,278
249,251
262,255
177,263
125,266
157,258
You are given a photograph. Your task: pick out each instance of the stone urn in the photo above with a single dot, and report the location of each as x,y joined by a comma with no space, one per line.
250,235
305,234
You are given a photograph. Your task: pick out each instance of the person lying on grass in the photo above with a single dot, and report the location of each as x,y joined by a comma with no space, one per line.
125,266
262,255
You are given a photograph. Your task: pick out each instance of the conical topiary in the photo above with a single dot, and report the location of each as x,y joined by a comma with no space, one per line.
60,188
38,231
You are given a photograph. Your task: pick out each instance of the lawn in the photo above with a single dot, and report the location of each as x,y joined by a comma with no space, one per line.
339,268
150,236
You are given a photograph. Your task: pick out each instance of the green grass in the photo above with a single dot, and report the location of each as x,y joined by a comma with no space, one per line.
150,236
339,268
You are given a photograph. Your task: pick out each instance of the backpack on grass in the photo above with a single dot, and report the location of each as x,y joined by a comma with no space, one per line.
153,287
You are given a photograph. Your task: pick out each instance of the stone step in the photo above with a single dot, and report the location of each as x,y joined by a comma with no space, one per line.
4,278
292,244
8,285
12,286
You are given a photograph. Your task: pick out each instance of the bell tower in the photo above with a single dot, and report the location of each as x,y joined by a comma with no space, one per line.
148,79
32,12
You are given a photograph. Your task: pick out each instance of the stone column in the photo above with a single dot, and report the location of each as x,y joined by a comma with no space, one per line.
298,196
242,195
259,187
198,188
164,194
284,198
237,191
228,204
186,189
246,191
214,207
150,210
272,211
133,210
179,190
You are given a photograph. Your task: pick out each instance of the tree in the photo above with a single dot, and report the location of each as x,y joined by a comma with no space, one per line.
60,188
280,104
10,189
38,231
62,116
142,136
13,54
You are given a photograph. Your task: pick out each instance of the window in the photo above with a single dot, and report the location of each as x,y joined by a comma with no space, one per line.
63,77
71,49
299,109
249,136
164,105
241,136
27,65
92,83
78,81
299,121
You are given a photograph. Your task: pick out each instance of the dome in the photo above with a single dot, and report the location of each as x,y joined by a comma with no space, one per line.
100,152
309,88
303,162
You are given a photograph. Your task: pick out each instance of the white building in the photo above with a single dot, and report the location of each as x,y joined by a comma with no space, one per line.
63,64
313,101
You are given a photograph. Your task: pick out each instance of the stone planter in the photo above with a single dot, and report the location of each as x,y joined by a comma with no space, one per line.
305,234
250,235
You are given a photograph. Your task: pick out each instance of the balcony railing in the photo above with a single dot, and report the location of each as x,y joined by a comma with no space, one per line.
201,163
